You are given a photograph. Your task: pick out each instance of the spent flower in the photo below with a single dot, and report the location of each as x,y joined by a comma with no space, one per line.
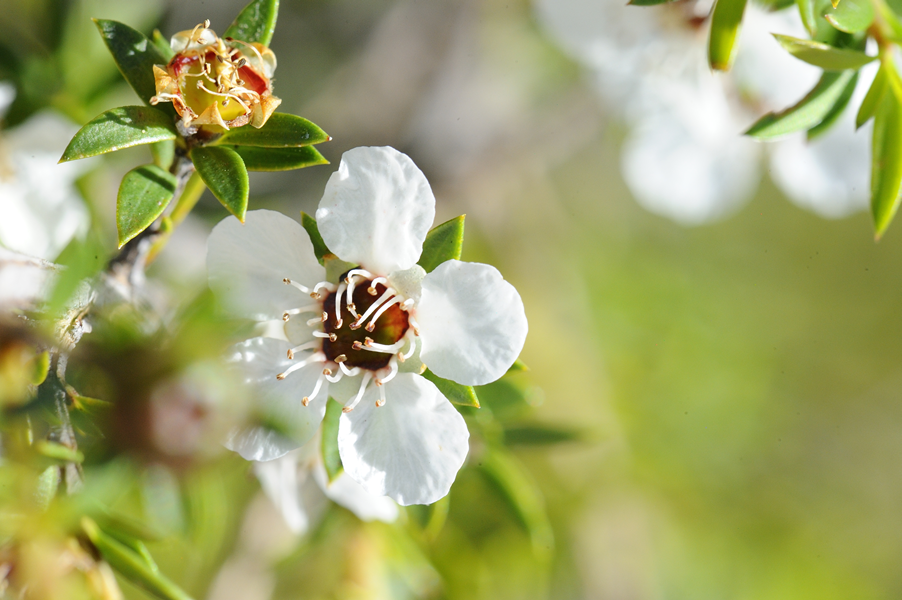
365,339
217,83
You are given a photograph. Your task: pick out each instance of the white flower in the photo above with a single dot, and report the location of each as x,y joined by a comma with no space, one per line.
40,207
297,484
370,334
684,157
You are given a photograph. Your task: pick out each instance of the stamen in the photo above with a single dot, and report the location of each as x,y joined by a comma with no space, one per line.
414,325
338,321
407,304
409,353
315,320
349,372
341,358
331,379
365,380
303,288
319,384
372,324
369,344
381,401
322,285
308,346
302,309
393,365
385,296
318,357
372,289
322,334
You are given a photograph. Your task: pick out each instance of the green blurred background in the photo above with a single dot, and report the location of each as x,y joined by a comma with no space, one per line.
735,385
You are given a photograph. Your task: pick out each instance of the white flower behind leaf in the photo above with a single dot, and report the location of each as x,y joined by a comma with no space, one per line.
40,208
685,157
364,340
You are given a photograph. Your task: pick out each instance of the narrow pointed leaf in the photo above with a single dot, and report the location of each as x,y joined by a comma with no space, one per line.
329,448
280,131
541,434
143,196
852,16
279,159
162,45
805,114
872,99
806,12
256,23
841,103
120,128
522,495
225,174
463,395
892,26
131,565
724,34
444,242
135,55
886,165
319,245
822,55
518,366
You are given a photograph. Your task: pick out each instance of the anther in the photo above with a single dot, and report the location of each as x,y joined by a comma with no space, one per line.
341,358
372,324
312,358
305,400
285,317
357,346
375,305
327,372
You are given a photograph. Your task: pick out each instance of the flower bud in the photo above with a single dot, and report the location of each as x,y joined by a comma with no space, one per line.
216,84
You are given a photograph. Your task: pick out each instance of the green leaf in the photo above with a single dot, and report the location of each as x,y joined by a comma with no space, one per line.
162,45
443,242
225,174
872,99
135,55
463,395
648,2
256,23
40,367
822,55
279,159
892,27
331,458
280,131
540,435
808,112
58,452
83,259
722,41
163,153
852,16
120,128
143,196
319,246
518,366
130,564
886,165
841,103
806,12
522,495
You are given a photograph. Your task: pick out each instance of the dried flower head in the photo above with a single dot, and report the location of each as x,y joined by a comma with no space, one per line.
217,83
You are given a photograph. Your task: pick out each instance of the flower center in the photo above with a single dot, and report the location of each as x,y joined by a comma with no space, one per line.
377,322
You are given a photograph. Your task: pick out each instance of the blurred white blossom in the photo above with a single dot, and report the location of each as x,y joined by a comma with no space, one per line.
40,209
684,156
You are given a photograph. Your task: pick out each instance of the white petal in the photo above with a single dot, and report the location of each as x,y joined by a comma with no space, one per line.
247,263
376,210
350,494
280,481
276,402
472,323
410,449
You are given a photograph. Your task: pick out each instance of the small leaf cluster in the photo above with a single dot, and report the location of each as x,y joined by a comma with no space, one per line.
839,34
221,162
